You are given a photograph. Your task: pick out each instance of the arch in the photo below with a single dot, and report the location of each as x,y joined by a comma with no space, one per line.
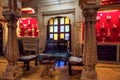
44,23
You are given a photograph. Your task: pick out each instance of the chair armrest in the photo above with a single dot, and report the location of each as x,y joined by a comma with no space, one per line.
75,59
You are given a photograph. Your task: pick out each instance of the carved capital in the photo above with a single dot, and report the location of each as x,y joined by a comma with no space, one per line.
11,17
90,11
12,5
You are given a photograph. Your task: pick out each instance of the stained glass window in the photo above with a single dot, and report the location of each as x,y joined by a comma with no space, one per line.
59,28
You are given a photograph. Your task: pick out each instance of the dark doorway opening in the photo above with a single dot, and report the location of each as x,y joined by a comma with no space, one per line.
1,40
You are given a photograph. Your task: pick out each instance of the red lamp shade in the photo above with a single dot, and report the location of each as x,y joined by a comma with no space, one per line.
28,10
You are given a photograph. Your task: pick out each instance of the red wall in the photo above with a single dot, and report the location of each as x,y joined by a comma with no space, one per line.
106,2
28,27
108,26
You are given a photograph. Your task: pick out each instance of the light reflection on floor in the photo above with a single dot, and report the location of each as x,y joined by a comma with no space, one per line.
104,71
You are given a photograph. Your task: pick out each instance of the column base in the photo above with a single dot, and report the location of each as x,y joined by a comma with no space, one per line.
88,74
12,72
18,77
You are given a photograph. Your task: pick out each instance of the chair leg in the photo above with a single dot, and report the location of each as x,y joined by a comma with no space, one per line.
27,66
36,62
69,69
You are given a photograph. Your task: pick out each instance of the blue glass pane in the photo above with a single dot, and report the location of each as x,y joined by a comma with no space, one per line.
55,28
51,36
61,28
67,36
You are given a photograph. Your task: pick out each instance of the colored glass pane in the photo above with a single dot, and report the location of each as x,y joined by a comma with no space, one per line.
66,36
55,36
55,28
51,36
56,21
67,21
67,28
51,28
61,28
51,21
61,20
61,36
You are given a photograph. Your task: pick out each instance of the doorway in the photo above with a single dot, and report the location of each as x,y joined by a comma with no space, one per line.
1,40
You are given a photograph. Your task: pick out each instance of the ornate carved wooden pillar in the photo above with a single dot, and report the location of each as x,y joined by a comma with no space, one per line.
90,47
12,71
12,53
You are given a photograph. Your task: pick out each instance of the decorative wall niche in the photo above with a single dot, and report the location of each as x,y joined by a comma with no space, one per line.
28,27
108,26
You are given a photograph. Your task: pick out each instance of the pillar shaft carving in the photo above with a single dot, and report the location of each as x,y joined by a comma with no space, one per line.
90,48
12,53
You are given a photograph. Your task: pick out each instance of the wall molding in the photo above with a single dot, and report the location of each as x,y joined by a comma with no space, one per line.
56,12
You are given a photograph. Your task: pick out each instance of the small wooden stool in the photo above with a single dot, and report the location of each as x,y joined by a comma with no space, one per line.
26,59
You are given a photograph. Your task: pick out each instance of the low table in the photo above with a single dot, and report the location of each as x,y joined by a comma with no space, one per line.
26,59
48,61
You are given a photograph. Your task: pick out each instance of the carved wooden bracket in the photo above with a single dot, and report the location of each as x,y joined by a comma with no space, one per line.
10,17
